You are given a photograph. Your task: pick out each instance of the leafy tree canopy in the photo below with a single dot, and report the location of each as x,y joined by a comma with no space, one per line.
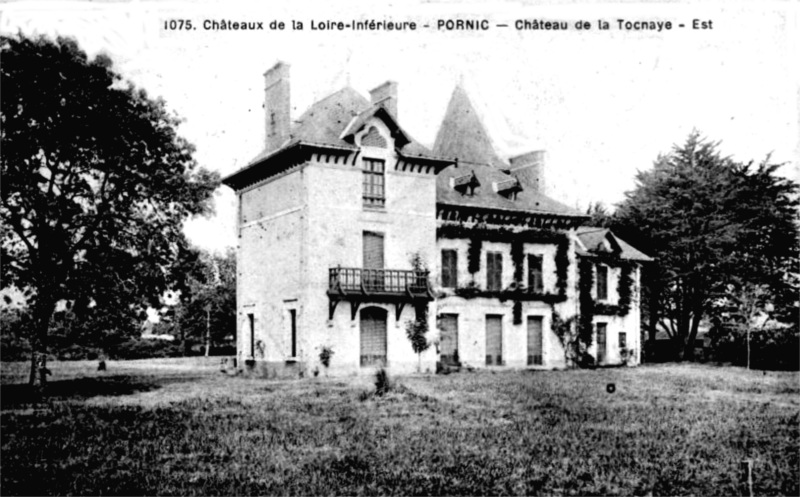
716,227
96,183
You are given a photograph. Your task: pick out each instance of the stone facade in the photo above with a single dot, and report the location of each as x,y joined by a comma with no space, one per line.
336,209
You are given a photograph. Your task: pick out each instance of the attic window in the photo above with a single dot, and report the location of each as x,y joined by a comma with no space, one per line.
465,183
508,188
373,139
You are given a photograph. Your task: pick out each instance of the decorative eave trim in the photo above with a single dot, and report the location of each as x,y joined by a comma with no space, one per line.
497,216
283,159
420,163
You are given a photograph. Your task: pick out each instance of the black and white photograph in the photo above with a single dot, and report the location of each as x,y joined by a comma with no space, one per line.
435,247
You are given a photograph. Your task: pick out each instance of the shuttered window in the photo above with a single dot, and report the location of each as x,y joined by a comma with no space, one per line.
494,271
535,281
448,344
373,260
449,268
602,282
373,250
494,340
293,331
373,337
534,340
251,321
601,342
374,194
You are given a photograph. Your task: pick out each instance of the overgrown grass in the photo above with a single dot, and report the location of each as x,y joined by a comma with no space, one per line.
667,430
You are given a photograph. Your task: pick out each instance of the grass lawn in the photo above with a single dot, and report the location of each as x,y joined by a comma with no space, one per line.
182,427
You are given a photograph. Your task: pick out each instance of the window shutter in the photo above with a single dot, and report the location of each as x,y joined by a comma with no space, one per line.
449,269
494,340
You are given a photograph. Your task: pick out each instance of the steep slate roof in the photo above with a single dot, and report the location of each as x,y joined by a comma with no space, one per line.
463,136
332,120
593,237
484,195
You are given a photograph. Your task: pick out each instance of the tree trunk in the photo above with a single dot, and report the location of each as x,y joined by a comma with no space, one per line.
42,310
208,332
688,352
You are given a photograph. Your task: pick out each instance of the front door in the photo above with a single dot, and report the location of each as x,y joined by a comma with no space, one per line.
373,336
448,346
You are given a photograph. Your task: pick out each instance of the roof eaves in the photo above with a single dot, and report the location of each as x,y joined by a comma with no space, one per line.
520,211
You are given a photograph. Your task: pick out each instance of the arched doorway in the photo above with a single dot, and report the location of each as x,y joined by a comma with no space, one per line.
373,336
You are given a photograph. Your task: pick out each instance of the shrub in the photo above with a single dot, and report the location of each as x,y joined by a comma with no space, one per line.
145,349
383,384
325,356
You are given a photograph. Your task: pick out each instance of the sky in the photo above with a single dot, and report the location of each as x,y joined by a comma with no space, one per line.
603,103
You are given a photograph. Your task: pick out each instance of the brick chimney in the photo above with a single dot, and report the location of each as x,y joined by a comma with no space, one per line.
529,170
387,95
277,105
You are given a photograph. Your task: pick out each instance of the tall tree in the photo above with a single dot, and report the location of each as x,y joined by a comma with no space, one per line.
716,227
208,313
96,184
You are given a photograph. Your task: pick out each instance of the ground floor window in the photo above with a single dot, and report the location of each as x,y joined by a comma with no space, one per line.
494,340
251,321
601,342
373,336
535,340
293,332
448,344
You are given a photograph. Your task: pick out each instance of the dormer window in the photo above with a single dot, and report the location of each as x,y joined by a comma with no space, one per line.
374,185
465,184
508,188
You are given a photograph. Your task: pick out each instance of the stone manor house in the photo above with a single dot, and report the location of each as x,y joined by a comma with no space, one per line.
349,229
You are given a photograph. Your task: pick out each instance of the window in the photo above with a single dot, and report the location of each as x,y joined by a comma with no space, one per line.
601,342
251,320
602,282
372,276
623,341
494,271
374,182
448,343
494,340
535,340
535,282
293,317
449,268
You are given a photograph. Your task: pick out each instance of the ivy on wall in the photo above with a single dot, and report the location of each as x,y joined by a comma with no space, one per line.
589,308
517,240
585,302
517,312
474,254
517,258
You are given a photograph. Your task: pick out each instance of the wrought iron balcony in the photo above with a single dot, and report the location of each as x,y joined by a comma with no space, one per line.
369,281
381,285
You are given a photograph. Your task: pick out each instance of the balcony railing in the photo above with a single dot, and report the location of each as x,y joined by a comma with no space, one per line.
377,281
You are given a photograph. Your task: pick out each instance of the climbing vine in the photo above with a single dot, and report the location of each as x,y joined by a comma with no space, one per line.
562,265
517,258
474,254
517,240
589,308
517,312
585,302
625,288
